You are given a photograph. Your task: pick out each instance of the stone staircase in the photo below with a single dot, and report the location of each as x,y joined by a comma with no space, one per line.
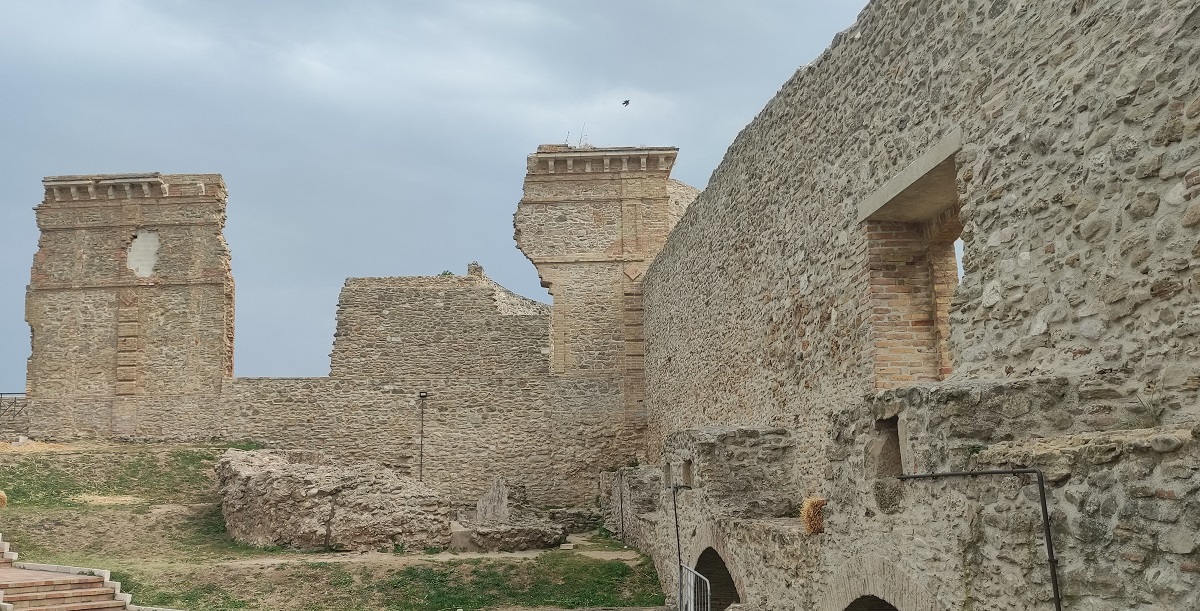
45,587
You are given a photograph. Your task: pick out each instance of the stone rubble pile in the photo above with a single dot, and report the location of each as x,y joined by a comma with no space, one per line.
301,500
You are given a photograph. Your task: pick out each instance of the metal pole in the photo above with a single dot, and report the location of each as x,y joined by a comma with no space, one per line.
421,464
621,502
678,545
1050,557
421,446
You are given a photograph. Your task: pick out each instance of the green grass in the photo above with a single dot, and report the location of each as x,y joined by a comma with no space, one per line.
209,597
36,482
177,476
562,579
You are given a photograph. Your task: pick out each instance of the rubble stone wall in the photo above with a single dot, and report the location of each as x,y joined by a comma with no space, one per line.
1065,137
479,352
1077,177
130,292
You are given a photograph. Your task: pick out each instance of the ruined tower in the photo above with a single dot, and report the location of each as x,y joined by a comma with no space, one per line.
131,294
591,221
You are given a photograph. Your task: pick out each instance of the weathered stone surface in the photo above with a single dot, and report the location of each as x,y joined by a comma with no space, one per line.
518,536
576,519
452,378
1056,135
302,500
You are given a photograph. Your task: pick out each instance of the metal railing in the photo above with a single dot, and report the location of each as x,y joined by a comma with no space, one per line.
695,592
12,410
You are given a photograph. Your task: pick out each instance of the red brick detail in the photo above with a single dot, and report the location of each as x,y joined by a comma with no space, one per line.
911,276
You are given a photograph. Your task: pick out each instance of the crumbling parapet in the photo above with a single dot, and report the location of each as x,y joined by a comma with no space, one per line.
591,220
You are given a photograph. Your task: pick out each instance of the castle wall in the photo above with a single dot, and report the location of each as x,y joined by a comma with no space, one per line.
810,275
131,293
1076,175
591,221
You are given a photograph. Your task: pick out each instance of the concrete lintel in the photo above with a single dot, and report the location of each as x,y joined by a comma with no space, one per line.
921,190
85,178
133,180
607,152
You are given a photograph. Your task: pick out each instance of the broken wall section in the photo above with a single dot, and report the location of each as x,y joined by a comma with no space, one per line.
131,293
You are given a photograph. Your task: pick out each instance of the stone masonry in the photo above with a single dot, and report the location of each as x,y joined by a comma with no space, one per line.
801,331
448,379
807,337
131,293
592,220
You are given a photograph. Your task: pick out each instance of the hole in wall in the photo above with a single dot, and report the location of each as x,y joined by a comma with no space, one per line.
142,254
884,464
959,247
685,474
723,592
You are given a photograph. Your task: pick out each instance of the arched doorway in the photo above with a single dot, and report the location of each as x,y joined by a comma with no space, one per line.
871,603
724,591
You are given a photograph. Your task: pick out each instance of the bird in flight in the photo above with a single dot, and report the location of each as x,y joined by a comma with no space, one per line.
625,103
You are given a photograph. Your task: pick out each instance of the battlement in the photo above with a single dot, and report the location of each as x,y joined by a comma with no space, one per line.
92,187
565,159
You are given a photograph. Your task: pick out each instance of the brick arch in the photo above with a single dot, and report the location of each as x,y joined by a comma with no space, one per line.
872,577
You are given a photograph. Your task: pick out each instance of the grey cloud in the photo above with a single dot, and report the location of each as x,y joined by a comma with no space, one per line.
366,138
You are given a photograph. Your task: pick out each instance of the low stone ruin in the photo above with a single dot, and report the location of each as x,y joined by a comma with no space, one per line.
299,499
504,521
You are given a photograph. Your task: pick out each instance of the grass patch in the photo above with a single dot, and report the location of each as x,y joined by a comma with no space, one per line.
178,476
210,597
603,540
36,482
561,579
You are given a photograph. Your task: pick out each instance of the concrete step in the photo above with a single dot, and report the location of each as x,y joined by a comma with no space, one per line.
23,585
92,606
59,597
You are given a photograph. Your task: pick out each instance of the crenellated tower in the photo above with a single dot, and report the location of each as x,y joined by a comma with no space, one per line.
591,221
131,293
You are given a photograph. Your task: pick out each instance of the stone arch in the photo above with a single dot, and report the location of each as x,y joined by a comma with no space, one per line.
724,588
858,583
870,603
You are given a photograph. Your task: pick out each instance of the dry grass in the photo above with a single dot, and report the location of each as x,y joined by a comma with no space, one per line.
150,513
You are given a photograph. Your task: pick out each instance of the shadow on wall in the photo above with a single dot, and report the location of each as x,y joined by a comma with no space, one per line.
722,589
871,603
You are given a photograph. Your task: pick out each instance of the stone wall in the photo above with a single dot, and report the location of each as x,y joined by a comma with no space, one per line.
1076,177
1122,508
441,326
131,292
591,220
808,290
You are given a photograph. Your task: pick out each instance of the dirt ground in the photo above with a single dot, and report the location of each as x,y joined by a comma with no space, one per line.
168,533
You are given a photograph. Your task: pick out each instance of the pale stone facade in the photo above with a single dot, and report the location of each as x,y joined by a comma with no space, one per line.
450,379
802,335
805,337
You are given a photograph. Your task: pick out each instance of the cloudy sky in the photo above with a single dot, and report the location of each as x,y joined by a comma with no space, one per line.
366,138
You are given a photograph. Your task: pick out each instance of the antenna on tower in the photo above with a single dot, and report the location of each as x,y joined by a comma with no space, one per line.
582,136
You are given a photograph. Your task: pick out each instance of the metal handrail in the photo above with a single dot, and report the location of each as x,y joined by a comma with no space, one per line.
691,598
1048,539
